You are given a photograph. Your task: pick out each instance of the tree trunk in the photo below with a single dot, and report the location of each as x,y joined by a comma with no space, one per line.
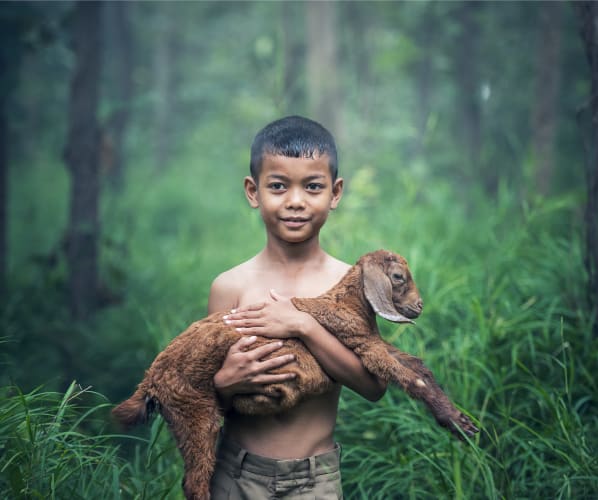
14,17
82,155
294,62
164,77
588,13
3,192
545,109
322,67
357,18
466,73
425,35
117,17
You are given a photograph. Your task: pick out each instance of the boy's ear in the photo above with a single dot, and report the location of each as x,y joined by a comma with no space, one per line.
337,192
251,191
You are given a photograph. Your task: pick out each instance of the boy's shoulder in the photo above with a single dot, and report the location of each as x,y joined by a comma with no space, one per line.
228,285
236,276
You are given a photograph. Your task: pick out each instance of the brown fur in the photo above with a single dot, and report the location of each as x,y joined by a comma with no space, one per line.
179,383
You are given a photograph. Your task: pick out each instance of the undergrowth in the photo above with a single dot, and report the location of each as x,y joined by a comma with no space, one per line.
505,330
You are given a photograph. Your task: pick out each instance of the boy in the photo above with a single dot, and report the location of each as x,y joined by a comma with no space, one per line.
294,184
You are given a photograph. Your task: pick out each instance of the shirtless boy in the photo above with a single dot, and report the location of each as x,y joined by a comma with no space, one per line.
294,184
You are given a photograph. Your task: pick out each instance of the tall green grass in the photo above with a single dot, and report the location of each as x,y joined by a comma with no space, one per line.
505,330
55,445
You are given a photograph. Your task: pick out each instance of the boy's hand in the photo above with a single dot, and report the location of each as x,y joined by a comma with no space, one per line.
276,319
244,372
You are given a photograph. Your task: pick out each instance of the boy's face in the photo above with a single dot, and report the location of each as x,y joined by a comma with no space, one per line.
294,195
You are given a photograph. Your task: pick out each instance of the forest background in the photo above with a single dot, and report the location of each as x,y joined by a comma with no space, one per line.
466,134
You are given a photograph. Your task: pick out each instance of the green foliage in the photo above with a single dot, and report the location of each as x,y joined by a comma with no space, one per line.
505,329
54,445
506,323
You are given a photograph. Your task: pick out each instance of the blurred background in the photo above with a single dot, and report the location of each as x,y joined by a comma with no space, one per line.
466,136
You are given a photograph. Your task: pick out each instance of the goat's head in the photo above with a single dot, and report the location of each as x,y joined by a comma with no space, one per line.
389,286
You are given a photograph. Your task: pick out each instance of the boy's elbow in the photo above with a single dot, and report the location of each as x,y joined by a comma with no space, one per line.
376,392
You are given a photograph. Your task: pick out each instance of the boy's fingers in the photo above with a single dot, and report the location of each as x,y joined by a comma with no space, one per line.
273,378
236,319
244,342
263,350
277,362
250,330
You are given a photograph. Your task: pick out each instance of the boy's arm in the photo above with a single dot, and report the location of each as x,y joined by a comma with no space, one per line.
243,370
280,319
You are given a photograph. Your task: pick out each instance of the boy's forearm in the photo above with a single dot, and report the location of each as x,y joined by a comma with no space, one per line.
342,364
225,396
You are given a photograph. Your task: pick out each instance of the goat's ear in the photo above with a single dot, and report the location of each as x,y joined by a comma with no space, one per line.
378,291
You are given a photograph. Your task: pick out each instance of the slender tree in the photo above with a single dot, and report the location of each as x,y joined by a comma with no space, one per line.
15,19
468,83
82,158
294,62
322,67
3,182
588,14
164,80
547,85
119,32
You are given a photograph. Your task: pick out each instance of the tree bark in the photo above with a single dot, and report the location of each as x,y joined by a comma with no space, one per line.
82,158
467,77
15,17
322,67
294,62
165,82
545,109
588,14
117,17
3,192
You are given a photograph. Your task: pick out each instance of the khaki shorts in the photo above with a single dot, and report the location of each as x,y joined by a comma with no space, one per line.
240,475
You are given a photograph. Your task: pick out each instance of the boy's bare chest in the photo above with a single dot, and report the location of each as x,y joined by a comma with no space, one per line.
258,288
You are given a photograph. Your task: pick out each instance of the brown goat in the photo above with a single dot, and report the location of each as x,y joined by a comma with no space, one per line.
179,383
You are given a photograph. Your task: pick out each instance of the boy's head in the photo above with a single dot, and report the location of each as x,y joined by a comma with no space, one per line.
293,137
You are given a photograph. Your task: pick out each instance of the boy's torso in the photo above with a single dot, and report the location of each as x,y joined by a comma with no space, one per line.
306,429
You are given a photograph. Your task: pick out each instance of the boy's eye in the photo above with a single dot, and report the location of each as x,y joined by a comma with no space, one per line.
314,186
276,186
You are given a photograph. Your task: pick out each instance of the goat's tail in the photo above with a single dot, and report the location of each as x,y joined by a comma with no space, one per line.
135,410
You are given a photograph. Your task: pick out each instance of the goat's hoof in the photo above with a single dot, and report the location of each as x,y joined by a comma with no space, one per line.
465,425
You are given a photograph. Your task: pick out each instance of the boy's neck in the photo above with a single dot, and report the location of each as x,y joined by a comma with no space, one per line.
289,254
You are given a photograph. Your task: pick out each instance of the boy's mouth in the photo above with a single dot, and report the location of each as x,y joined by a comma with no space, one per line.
294,221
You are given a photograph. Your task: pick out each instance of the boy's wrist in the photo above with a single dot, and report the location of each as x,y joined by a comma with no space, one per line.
225,396
306,326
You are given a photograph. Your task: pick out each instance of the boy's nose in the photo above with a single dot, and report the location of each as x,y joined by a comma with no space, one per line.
295,199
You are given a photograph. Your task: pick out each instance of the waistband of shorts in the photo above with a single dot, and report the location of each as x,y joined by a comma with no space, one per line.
240,459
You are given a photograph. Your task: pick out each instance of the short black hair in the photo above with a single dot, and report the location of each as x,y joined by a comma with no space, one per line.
293,137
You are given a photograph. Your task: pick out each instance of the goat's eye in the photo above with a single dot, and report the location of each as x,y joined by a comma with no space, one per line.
397,277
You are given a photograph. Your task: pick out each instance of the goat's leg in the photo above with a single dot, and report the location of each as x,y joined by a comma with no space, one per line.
411,374
195,429
428,390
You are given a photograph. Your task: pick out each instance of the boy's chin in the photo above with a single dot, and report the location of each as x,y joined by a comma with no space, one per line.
296,238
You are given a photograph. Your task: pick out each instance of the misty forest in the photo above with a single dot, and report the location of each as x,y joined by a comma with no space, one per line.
467,136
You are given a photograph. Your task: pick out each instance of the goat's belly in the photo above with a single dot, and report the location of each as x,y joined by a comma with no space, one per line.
309,379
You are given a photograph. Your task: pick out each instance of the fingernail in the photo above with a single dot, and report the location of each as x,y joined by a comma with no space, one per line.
252,338
225,317
233,311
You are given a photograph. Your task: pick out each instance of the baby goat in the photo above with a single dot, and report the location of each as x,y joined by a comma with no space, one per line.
179,383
